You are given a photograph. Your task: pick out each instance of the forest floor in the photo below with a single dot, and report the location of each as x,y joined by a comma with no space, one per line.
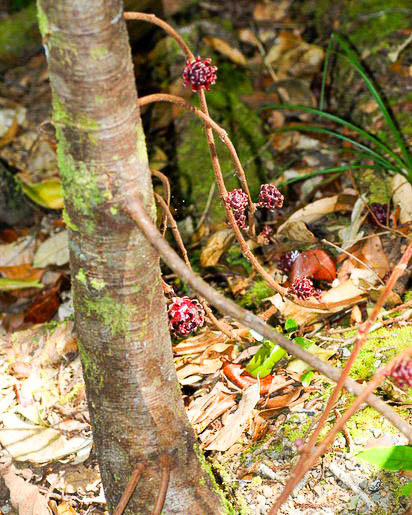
356,214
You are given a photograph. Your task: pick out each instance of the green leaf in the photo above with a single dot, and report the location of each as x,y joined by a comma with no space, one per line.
17,284
351,56
406,489
344,123
48,194
262,362
300,367
303,342
291,325
307,377
378,158
398,457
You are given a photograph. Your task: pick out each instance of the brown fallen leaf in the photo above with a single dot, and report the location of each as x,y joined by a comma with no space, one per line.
23,272
318,209
65,509
44,306
20,369
373,255
336,299
236,421
315,264
218,243
402,197
221,403
25,497
224,48
282,401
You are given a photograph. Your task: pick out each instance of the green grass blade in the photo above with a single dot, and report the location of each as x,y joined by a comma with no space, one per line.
341,121
324,74
372,154
351,56
339,170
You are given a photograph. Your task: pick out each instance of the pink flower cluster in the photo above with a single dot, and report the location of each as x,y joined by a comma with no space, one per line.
185,316
303,289
237,200
199,74
401,374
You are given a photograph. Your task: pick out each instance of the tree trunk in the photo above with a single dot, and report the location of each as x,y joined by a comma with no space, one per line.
134,399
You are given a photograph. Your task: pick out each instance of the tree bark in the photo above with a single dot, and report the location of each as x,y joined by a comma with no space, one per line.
134,399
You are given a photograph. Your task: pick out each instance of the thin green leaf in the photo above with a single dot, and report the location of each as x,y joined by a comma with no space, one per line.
307,377
351,56
326,171
291,325
18,284
263,361
398,457
324,74
406,489
341,121
303,342
372,154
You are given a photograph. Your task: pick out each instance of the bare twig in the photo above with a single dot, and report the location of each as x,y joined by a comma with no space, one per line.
222,189
181,245
134,207
308,460
131,485
360,340
353,257
164,482
166,186
151,18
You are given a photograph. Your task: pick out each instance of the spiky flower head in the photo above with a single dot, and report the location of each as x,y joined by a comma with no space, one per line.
286,260
380,214
237,200
270,197
318,294
185,316
303,288
199,74
264,236
401,374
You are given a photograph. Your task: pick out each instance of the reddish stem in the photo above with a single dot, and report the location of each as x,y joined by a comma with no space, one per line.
297,474
151,18
128,492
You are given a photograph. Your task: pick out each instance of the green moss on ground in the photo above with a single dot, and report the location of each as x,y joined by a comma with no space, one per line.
256,294
380,346
375,186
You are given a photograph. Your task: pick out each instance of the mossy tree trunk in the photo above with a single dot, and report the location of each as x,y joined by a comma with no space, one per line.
134,398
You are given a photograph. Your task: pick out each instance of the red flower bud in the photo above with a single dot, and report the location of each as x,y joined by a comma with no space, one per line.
199,74
270,197
185,315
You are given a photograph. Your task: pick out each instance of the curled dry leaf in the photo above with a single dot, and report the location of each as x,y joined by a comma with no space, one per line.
319,208
25,497
218,243
238,375
297,231
224,48
53,251
282,401
402,197
341,297
236,422
315,264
